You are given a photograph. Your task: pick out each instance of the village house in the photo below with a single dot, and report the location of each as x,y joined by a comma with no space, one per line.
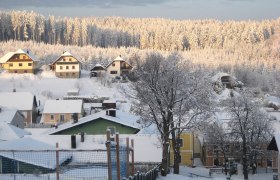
25,102
186,149
12,116
62,111
67,66
97,71
98,123
21,61
212,155
119,67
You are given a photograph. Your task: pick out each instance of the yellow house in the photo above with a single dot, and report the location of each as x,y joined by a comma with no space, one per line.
186,149
21,61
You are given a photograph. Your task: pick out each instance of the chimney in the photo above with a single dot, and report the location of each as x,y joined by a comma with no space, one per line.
0,109
82,136
75,117
73,141
111,112
27,51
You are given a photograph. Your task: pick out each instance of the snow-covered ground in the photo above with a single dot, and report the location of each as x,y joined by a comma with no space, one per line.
45,85
200,173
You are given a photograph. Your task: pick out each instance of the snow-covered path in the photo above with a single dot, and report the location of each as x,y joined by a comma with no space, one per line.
186,171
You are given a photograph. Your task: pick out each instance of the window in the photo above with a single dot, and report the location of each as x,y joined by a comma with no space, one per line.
227,148
19,64
15,71
63,59
29,64
73,67
112,130
269,162
70,59
23,57
11,65
67,67
61,67
237,148
113,64
61,118
25,71
180,142
52,117
114,72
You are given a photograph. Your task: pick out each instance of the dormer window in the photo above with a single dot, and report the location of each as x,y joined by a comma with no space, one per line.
113,64
70,59
64,59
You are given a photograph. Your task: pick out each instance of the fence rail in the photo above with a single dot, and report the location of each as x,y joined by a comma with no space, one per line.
150,175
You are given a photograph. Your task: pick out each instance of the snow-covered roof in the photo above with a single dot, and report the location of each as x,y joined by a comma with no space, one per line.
45,159
98,67
94,105
119,58
147,148
63,106
217,77
19,100
20,51
6,57
7,114
121,118
10,132
66,54
109,101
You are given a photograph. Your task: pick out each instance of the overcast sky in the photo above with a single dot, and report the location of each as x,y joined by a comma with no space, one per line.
174,9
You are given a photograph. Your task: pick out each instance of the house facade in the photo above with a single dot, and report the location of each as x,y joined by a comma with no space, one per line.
119,67
25,102
213,156
186,149
66,66
61,111
98,123
97,71
21,61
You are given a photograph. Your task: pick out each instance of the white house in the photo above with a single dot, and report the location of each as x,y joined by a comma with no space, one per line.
67,66
119,67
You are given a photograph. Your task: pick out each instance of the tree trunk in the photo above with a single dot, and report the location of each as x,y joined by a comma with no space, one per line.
177,159
245,161
164,162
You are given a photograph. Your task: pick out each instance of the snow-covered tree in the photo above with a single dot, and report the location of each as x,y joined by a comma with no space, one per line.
172,95
249,125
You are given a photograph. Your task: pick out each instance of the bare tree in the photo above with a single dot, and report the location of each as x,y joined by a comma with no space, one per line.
249,125
168,94
216,134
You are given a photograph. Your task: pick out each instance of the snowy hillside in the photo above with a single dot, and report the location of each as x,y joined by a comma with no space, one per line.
45,85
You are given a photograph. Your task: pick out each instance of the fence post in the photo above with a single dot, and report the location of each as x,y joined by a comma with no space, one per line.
57,161
118,156
108,146
127,157
132,156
